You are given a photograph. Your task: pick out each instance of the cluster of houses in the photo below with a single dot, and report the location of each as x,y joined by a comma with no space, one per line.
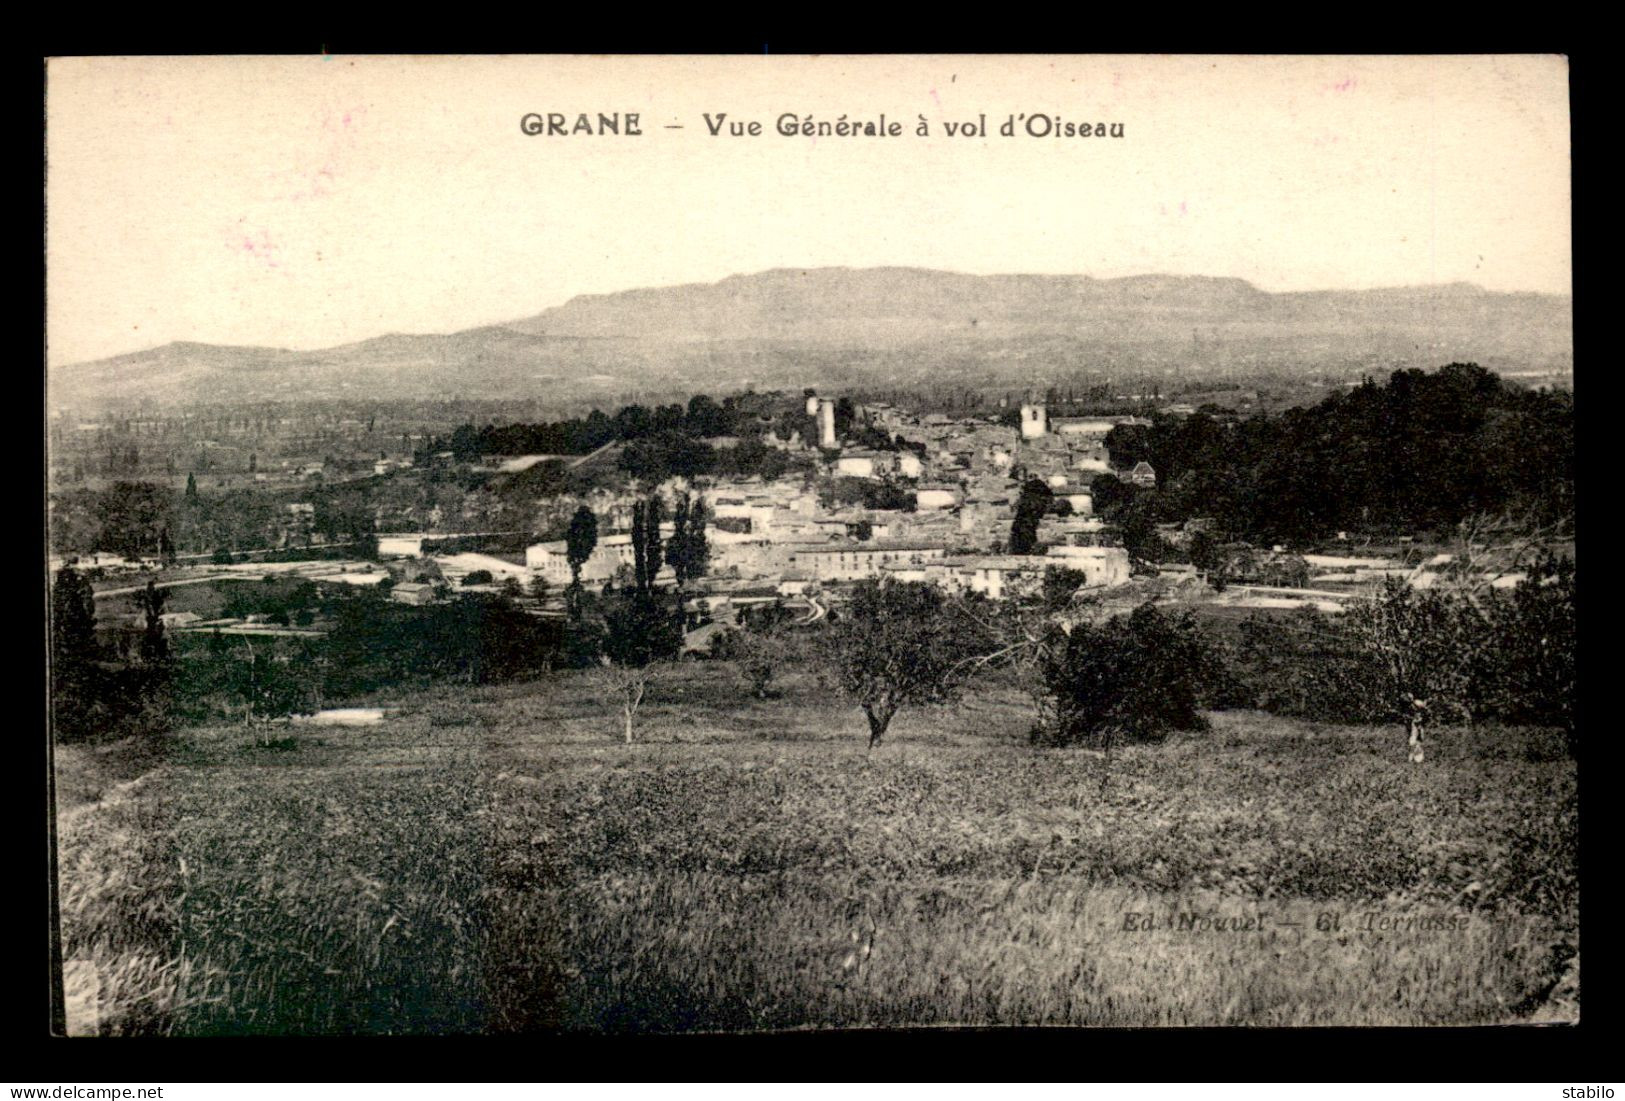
964,475
773,538
795,568
781,540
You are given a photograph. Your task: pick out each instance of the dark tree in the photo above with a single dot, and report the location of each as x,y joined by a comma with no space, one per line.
131,516
656,457
154,646
465,443
1528,655
1030,508
191,487
679,537
640,628
705,417
1137,524
653,552
697,548
1424,450
641,631
74,674
1110,493
845,414
688,551
1129,444
640,545
1060,584
580,541
73,618
1209,556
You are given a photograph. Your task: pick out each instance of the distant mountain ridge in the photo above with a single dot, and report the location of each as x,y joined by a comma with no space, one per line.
877,326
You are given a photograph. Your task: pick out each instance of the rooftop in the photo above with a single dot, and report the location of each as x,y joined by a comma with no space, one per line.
871,547
1001,561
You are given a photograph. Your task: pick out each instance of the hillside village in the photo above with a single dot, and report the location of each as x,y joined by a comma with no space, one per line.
777,536
936,506
769,539
841,552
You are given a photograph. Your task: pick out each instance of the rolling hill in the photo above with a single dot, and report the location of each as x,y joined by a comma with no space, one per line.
876,326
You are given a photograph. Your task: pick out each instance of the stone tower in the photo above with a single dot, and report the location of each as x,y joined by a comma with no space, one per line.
826,422
1034,423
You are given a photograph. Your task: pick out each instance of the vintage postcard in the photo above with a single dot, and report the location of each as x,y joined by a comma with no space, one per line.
765,543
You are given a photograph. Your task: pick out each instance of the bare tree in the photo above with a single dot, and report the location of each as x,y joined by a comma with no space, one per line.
1024,633
642,634
625,686
1489,550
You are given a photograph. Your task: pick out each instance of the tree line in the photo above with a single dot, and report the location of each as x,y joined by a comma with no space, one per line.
147,520
1405,656
1410,656
1421,452
703,417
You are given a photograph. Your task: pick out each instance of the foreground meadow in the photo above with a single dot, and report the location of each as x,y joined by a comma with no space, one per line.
494,860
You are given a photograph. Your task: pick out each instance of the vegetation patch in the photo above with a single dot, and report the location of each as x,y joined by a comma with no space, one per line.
528,870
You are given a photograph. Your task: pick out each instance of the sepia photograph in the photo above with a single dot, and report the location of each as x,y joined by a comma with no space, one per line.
772,544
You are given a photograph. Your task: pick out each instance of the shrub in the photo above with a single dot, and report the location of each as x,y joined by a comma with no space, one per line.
1525,673
1136,677
1304,665
758,655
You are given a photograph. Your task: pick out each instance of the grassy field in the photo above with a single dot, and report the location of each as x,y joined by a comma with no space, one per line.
493,859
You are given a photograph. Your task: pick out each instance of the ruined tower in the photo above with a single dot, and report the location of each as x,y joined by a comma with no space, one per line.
826,423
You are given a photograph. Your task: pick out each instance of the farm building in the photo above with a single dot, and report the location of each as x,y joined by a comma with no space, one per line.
857,561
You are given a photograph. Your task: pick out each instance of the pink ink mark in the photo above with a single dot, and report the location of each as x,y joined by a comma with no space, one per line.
1345,85
260,248
1181,206
349,118
936,99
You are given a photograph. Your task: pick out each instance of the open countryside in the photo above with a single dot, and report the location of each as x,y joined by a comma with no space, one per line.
1084,705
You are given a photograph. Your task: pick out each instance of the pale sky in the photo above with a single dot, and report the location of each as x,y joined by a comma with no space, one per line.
307,202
